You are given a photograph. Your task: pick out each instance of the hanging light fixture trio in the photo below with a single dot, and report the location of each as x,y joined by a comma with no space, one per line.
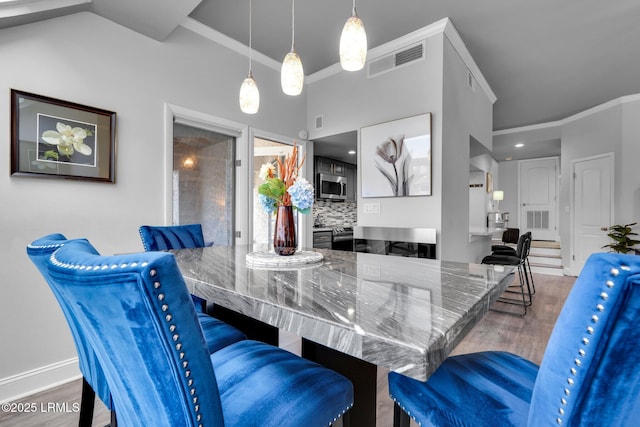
353,55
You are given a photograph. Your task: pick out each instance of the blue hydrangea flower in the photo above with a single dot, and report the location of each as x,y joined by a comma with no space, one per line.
301,193
267,203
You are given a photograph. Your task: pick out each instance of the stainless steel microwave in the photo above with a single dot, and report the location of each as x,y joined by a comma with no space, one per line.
332,187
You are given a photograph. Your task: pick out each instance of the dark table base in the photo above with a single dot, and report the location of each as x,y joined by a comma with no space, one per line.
363,376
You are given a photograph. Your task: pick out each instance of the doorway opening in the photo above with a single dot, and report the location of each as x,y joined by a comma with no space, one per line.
204,181
266,151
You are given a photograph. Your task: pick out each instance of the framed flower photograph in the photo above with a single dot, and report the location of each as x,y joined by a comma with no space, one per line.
51,138
395,158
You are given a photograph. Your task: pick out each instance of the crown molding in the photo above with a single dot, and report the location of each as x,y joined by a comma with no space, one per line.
384,49
458,44
11,8
581,115
234,45
442,26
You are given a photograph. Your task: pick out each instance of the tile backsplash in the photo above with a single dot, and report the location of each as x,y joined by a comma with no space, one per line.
335,213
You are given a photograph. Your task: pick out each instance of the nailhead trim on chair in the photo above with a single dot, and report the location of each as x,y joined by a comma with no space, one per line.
344,411
164,307
176,337
405,410
604,296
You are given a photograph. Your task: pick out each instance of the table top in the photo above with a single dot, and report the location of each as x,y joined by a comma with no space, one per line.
405,314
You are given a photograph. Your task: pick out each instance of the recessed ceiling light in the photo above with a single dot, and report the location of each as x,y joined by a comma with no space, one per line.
518,145
352,152
509,158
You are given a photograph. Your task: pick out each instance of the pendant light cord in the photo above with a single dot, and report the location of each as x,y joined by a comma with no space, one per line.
293,25
354,8
250,26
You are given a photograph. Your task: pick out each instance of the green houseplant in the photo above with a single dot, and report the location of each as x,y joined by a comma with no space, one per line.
622,241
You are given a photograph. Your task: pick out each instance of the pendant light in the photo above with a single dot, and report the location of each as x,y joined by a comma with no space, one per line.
353,43
292,74
249,94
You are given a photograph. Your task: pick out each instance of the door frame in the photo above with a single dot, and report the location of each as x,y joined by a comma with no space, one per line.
521,220
305,232
206,121
572,222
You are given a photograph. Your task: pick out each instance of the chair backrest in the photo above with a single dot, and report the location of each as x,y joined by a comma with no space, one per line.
522,249
162,238
136,313
510,235
39,251
528,248
590,371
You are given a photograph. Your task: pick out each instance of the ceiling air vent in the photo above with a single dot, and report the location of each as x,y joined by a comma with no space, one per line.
396,59
319,121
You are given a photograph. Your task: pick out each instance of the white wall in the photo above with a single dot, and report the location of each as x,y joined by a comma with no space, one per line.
630,161
466,113
613,127
477,200
508,182
585,137
349,101
89,60
480,201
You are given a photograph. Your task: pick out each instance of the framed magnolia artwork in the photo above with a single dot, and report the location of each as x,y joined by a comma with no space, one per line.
51,138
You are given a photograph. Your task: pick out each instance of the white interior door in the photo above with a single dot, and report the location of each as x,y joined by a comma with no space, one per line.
538,198
592,207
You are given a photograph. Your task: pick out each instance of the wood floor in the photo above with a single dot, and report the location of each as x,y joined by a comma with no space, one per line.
526,336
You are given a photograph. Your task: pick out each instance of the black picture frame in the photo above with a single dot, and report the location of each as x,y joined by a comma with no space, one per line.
52,138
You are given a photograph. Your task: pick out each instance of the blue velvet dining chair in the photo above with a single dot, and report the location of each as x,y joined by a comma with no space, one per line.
167,237
217,335
93,380
155,359
589,373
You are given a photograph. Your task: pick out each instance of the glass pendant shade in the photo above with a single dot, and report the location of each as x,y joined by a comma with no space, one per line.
292,74
249,96
353,44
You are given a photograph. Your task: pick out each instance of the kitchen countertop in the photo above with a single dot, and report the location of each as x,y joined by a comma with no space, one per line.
482,231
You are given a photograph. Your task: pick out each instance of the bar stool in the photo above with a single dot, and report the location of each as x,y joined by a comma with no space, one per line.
508,250
525,299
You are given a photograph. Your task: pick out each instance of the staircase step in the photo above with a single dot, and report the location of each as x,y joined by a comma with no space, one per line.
544,252
545,260
552,270
545,244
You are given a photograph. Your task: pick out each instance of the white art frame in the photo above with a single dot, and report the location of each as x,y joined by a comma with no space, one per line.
395,158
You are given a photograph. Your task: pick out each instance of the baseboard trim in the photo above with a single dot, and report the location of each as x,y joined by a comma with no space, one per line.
39,379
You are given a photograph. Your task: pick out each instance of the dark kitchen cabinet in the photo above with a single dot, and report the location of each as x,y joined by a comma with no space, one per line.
329,166
322,239
352,182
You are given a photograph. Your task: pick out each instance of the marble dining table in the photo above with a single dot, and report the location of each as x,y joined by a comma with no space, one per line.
403,314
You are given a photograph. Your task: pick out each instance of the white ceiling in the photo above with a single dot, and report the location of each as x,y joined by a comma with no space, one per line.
545,60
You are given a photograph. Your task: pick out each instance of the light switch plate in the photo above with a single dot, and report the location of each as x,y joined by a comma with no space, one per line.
372,208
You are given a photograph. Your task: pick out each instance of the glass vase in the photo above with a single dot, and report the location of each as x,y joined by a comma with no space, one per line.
284,235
